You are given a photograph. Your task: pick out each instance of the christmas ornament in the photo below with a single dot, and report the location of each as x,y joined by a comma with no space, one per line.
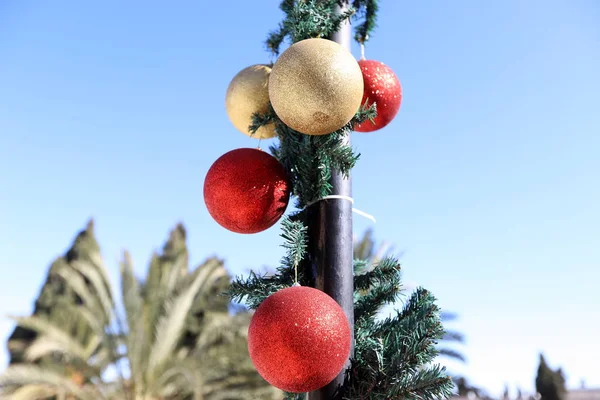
316,86
383,88
299,339
246,190
248,93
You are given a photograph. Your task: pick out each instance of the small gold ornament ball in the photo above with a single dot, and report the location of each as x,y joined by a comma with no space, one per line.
316,86
247,94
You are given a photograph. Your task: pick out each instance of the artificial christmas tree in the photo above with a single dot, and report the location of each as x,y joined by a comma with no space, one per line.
389,359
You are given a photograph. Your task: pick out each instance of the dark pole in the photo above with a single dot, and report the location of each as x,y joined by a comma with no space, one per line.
331,244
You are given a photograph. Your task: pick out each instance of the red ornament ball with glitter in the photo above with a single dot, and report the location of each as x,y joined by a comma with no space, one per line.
383,88
246,190
299,339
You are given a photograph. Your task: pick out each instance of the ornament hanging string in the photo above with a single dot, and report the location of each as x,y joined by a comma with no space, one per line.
362,51
342,197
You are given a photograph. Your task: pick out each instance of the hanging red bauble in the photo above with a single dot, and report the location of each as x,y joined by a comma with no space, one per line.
246,190
299,339
383,88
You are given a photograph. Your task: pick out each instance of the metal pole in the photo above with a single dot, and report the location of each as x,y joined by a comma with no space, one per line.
331,244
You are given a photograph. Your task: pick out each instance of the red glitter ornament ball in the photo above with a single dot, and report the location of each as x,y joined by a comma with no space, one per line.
299,339
383,88
246,190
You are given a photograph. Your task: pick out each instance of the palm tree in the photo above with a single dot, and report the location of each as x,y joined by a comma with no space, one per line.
451,337
173,337
55,293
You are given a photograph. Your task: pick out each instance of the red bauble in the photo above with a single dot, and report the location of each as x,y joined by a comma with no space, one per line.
299,339
383,88
246,190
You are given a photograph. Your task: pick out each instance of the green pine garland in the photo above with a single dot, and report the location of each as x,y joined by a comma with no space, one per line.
393,357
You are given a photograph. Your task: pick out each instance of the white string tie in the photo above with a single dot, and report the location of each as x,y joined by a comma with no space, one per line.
342,197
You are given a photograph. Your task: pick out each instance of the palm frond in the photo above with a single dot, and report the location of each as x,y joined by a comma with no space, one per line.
130,292
219,327
34,392
171,324
452,336
453,354
86,315
363,248
133,305
102,359
154,295
98,262
78,285
189,382
447,316
99,284
44,346
172,273
52,338
24,375
382,251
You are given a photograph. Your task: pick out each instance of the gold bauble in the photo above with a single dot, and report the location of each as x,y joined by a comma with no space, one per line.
316,86
248,93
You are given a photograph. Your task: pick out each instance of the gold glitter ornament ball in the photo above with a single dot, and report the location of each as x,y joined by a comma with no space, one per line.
316,86
247,94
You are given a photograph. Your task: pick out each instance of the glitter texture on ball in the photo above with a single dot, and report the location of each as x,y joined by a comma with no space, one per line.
383,88
299,339
316,86
248,93
246,190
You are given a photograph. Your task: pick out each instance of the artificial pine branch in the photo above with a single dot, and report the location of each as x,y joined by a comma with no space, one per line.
392,357
294,234
308,159
426,384
255,288
313,18
370,8
380,286
306,19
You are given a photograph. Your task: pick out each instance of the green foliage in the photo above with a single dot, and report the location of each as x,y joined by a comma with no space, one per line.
174,332
364,249
55,294
317,18
255,288
370,8
393,357
548,383
309,160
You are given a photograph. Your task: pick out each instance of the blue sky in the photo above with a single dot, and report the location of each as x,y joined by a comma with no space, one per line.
487,180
